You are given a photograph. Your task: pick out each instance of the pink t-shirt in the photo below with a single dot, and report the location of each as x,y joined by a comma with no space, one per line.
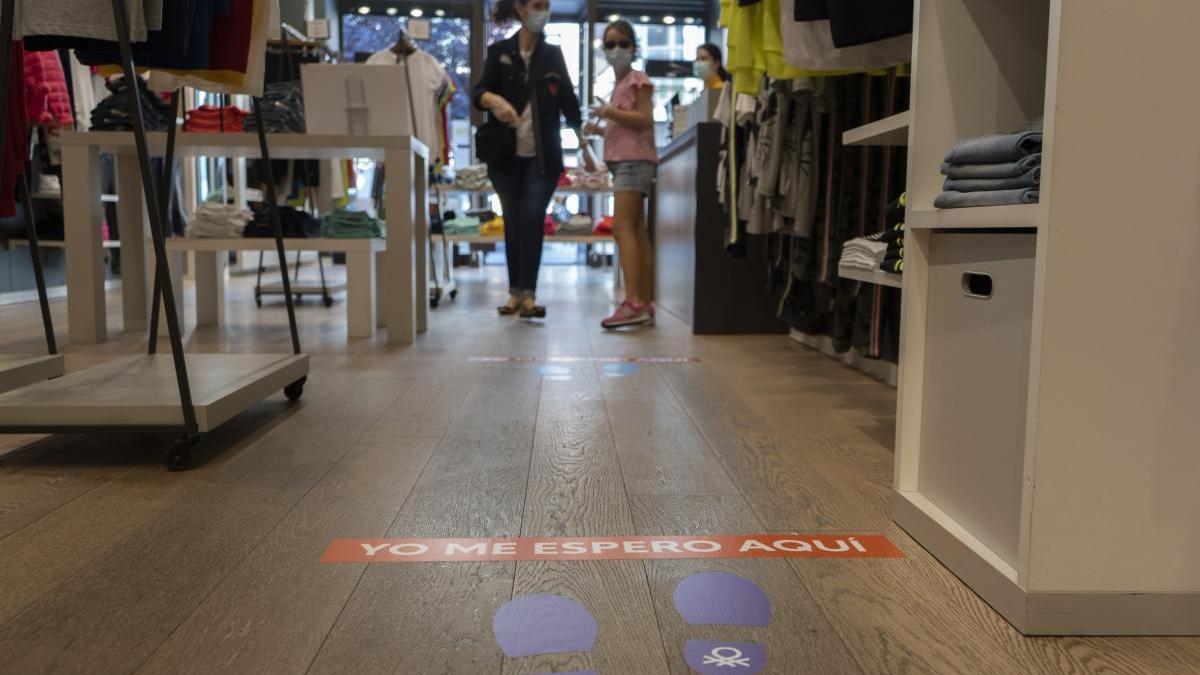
622,143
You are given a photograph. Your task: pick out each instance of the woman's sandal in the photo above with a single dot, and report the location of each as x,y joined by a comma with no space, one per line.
505,310
533,312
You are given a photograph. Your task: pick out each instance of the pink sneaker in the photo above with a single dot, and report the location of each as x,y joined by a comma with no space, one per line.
629,314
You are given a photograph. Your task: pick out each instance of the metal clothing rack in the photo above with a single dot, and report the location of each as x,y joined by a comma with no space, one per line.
228,384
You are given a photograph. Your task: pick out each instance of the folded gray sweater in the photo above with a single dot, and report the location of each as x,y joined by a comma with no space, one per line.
1000,170
962,200
995,149
1030,179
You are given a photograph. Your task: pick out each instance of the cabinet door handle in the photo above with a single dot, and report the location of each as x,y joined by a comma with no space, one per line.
977,285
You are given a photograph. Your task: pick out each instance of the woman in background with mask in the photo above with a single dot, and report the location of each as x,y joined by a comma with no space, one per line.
525,85
631,154
710,67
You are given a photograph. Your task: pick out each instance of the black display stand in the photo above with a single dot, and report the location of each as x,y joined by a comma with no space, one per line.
187,434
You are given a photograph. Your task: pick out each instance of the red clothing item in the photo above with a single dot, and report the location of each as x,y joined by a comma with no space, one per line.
229,39
16,136
47,101
211,119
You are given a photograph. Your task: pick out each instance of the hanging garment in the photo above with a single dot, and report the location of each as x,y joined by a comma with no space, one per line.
47,101
237,45
809,44
85,18
433,88
859,22
16,136
83,85
798,171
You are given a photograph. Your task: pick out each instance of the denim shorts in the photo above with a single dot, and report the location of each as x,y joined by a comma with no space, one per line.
633,176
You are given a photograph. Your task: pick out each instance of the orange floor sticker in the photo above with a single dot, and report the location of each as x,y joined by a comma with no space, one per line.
611,548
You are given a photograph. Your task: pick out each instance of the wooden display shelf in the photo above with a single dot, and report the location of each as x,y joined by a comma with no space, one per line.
53,243
1021,216
57,196
891,131
303,289
267,244
877,277
19,370
141,391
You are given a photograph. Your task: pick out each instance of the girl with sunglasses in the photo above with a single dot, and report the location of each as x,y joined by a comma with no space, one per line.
632,156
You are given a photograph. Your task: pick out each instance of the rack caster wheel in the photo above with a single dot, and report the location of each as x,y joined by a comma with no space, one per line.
179,455
328,301
295,390
454,295
258,301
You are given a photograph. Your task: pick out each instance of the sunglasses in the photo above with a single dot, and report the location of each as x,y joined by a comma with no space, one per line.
613,44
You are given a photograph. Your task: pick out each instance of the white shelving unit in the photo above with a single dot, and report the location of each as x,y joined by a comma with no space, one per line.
1046,448
18,370
1024,216
140,391
877,277
890,131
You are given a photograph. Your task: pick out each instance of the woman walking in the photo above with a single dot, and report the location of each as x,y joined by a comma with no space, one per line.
632,156
527,91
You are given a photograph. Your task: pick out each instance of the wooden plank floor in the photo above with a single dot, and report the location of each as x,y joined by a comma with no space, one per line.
109,564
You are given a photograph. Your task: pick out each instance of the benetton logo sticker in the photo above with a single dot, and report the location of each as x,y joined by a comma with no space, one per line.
584,359
611,548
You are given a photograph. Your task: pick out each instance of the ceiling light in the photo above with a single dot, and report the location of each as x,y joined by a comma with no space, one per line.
668,20
645,19
614,17
364,10
416,13
691,20
440,13
392,11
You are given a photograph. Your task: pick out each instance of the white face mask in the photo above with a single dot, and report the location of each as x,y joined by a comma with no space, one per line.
536,21
619,58
702,69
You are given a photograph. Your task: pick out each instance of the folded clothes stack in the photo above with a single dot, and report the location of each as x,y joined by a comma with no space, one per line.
864,253
474,177
604,228
467,225
296,224
282,107
994,170
493,227
112,114
893,260
582,179
210,119
577,224
217,221
351,225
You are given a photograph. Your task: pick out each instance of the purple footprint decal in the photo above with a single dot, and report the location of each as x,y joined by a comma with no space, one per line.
717,598
543,624
711,658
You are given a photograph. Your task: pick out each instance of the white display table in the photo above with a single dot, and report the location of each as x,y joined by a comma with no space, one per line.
362,313
402,270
